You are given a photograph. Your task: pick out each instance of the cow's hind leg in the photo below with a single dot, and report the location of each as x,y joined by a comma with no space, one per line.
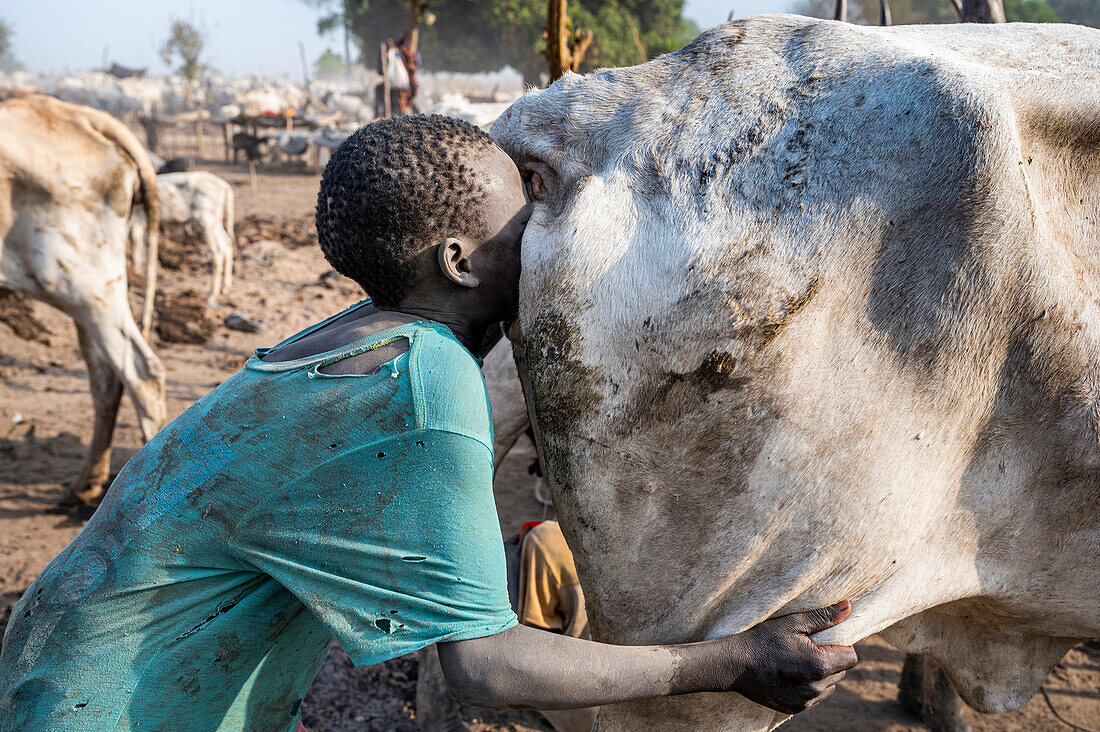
926,692
116,354
217,259
106,389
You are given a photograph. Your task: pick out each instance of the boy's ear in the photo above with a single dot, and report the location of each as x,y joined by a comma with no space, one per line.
454,263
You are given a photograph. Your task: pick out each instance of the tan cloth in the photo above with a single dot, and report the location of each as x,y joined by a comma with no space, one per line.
550,594
550,598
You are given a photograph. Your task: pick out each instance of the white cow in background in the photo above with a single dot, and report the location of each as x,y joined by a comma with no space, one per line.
70,178
200,204
809,312
479,114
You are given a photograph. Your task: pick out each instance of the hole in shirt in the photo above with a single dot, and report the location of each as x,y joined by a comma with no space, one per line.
368,362
384,625
381,454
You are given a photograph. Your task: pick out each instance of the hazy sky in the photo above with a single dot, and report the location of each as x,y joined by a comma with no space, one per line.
245,36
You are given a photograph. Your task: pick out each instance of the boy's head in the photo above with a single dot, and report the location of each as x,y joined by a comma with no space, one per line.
398,190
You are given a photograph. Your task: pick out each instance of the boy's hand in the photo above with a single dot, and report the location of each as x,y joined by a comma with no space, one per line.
781,668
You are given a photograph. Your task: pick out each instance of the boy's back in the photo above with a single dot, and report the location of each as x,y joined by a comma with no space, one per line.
284,508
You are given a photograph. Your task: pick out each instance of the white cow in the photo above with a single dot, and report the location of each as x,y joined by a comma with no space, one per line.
479,114
200,204
809,311
69,179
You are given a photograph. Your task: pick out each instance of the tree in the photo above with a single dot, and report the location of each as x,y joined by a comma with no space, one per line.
565,44
328,65
481,35
867,11
937,11
1085,12
1030,11
982,11
8,61
186,42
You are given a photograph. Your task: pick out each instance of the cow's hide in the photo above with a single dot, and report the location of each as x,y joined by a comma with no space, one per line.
808,313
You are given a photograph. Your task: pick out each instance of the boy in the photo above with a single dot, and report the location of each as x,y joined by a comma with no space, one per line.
340,486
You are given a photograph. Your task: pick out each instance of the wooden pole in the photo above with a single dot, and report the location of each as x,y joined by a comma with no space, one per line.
305,66
983,11
347,43
415,6
387,112
252,176
198,137
841,13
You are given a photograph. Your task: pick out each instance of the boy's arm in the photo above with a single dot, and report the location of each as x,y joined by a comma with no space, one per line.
774,664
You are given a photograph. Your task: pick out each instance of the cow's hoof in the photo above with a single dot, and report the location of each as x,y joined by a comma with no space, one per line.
87,495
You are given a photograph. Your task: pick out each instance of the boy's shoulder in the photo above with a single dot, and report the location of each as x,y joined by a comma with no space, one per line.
448,388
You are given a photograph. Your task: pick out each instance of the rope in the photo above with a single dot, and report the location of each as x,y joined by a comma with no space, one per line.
1058,716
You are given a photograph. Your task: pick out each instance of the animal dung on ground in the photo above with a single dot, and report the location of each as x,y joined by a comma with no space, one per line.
265,252
296,232
184,318
17,312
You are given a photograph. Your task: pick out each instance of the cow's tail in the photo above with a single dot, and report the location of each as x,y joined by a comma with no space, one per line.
120,134
229,215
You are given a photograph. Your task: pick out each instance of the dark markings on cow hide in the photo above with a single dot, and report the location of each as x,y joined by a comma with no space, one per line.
672,395
770,330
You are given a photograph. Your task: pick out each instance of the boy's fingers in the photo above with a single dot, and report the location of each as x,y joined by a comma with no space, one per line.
822,697
818,620
838,658
828,681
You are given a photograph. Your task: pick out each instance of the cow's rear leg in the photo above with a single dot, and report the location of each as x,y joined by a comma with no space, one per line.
221,254
106,389
116,354
227,254
218,261
926,691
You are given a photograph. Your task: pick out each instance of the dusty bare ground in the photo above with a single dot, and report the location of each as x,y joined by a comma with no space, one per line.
45,423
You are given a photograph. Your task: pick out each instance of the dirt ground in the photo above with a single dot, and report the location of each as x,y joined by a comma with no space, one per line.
45,424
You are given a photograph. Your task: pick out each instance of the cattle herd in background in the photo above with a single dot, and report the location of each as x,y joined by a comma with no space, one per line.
225,97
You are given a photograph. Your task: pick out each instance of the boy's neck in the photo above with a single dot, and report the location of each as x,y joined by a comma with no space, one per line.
477,337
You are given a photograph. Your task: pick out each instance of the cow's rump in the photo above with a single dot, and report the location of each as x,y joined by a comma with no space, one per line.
809,313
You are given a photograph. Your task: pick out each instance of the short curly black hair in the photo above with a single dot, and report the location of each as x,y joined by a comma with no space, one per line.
392,189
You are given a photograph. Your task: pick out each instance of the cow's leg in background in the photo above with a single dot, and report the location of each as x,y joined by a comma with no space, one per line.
226,245
106,389
222,251
217,259
926,691
137,366
230,238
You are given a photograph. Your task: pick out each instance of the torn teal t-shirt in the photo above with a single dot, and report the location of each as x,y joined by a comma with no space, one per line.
284,509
